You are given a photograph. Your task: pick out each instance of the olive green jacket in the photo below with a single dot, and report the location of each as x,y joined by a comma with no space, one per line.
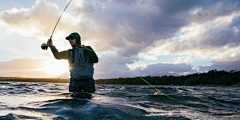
66,54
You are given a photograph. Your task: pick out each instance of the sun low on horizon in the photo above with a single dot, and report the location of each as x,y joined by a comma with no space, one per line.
56,67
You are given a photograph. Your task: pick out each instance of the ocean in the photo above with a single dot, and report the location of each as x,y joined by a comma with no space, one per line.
34,100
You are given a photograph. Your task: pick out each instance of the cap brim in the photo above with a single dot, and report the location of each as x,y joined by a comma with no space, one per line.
68,37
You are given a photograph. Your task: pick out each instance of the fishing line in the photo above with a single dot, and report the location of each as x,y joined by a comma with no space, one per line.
147,81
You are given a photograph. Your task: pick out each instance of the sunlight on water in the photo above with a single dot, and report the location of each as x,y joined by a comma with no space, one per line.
33,114
16,101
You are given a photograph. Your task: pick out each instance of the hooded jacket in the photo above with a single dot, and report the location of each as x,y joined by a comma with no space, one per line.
80,61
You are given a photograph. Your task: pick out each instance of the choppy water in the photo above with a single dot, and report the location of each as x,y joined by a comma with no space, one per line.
19,100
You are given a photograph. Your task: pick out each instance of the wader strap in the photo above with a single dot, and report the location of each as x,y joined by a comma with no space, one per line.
73,55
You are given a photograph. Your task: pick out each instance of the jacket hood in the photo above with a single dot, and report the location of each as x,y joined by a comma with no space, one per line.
76,35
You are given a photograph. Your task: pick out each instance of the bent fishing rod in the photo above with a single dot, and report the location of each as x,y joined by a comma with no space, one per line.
44,46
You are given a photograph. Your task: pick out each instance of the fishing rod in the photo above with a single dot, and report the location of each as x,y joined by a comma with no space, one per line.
44,46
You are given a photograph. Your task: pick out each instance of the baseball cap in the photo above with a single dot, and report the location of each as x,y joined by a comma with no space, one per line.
76,35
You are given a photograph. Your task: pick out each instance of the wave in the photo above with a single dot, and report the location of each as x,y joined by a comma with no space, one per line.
14,116
225,101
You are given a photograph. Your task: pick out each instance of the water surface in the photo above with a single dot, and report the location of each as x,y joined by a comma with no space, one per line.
23,100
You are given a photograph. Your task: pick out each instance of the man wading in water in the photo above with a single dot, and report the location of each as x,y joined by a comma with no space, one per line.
80,59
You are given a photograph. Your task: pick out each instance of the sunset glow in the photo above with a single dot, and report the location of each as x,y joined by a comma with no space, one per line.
56,67
150,37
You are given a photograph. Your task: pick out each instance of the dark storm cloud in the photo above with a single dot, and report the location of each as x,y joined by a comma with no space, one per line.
219,33
221,37
210,41
139,21
119,23
211,9
129,26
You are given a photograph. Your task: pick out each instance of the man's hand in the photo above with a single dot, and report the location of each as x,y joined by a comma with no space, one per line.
50,43
82,46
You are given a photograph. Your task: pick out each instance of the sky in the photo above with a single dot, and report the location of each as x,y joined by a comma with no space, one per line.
131,38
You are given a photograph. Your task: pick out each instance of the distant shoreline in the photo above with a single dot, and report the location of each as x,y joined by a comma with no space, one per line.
58,80
211,78
21,79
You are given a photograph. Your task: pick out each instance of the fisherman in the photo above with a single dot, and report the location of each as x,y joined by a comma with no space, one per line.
81,59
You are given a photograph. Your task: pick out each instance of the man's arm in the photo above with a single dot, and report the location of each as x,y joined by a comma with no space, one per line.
92,55
59,55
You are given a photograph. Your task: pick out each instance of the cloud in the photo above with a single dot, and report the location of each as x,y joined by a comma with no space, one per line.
130,26
100,22
210,10
206,38
147,56
229,56
182,59
166,68
135,24
115,69
28,67
24,67
227,60
210,36
34,21
221,66
133,30
108,67
29,74
21,64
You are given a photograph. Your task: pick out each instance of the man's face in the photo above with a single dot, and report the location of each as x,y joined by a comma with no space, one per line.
73,41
